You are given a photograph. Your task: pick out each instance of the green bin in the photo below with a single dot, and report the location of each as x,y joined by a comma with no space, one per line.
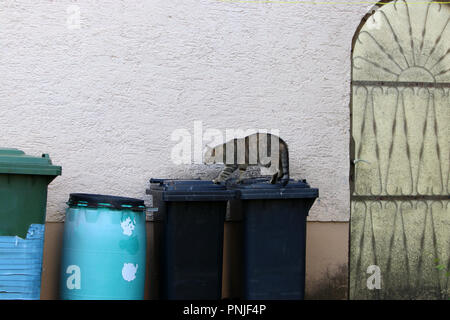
23,199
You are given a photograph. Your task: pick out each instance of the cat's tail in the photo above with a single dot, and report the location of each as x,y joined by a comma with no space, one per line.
284,164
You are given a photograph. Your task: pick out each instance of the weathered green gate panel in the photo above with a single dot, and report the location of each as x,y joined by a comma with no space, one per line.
400,213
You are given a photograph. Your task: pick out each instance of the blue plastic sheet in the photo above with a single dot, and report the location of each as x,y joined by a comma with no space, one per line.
21,265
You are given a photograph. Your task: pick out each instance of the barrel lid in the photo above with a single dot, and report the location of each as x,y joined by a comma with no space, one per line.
15,161
105,201
261,188
190,190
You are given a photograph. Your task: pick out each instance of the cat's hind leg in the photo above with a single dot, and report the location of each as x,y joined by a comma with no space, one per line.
275,177
278,174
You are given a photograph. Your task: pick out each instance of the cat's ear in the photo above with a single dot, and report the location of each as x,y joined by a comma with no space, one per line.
208,155
210,151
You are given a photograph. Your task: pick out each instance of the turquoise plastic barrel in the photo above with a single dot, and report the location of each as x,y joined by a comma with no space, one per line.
104,249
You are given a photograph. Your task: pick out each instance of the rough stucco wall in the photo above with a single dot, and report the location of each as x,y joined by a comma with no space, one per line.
103,99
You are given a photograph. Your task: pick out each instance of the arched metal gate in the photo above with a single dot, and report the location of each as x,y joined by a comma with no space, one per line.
400,214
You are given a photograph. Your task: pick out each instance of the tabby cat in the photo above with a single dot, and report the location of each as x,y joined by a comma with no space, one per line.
258,149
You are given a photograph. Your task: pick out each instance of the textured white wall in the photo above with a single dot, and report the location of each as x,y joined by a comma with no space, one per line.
103,99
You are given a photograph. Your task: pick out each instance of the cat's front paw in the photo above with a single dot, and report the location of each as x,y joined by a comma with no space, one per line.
216,181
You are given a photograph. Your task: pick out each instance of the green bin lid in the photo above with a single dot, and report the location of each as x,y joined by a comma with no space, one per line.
14,161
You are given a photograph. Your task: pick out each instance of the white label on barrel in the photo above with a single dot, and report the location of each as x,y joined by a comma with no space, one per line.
74,280
129,271
127,226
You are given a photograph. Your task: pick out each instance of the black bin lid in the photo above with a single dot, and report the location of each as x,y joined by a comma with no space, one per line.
191,190
104,201
261,188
